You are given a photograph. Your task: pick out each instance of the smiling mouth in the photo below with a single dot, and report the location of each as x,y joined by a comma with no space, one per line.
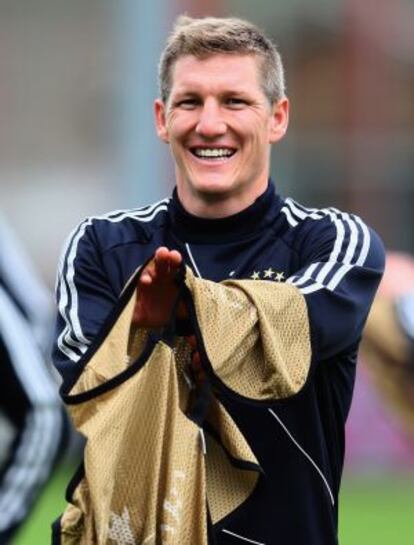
212,154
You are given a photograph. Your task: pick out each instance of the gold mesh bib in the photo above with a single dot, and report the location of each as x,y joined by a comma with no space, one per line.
147,476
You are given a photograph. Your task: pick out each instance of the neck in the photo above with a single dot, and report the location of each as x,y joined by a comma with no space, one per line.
239,226
215,206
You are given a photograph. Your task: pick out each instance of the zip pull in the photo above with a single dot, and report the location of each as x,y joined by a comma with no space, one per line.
203,441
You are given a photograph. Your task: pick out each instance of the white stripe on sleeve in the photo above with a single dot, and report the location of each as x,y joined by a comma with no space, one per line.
350,247
72,341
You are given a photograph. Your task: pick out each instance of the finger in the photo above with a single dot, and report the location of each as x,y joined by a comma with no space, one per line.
147,274
196,360
162,262
191,340
182,311
136,316
175,258
174,262
145,279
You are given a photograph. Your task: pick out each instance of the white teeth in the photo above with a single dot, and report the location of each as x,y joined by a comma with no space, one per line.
213,152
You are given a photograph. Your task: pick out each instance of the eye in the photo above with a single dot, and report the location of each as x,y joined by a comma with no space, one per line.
236,102
187,103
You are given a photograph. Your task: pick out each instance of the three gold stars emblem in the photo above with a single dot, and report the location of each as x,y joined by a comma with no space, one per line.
270,274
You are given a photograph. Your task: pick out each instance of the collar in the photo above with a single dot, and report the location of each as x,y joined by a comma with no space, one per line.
245,224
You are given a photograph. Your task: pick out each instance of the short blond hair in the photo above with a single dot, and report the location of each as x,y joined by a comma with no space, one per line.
213,35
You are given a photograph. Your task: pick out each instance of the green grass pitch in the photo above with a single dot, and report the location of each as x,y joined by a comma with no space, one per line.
373,511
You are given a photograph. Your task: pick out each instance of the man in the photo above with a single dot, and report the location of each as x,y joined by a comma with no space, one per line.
32,423
270,296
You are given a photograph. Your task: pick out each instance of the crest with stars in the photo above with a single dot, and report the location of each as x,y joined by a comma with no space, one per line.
268,274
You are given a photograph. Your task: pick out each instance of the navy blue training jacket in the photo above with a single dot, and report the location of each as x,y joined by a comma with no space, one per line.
336,262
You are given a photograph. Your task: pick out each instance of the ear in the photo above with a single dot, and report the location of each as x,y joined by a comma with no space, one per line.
279,121
160,121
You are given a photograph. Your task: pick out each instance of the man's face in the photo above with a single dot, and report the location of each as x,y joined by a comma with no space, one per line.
220,125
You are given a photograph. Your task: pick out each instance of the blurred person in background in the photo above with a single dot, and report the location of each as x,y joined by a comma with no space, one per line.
388,342
208,342
31,413
384,392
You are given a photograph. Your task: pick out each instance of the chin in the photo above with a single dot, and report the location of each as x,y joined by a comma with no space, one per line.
219,185
213,191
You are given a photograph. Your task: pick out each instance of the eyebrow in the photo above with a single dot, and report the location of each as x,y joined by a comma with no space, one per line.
224,94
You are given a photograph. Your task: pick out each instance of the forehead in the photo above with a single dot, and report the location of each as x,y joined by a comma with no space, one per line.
232,72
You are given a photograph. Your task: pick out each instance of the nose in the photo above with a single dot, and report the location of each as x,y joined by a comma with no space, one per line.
210,123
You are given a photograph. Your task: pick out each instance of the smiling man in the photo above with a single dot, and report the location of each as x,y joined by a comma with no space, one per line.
220,122
208,342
